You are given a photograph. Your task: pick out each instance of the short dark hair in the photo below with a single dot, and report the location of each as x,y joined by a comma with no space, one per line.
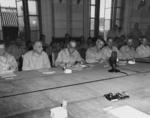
130,39
109,38
72,41
101,39
144,37
36,42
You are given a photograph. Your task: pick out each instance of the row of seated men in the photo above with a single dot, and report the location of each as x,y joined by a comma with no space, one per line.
100,52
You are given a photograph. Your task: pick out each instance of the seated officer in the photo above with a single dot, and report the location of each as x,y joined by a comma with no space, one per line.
107,50
36,58
7,61
143,50
68,56
128,51
95,54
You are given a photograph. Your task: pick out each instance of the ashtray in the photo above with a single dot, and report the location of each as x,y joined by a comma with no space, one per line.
67,71
116,96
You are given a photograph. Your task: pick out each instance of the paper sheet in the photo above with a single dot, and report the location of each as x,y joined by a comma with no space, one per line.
127,112
46,71
58,112
7,74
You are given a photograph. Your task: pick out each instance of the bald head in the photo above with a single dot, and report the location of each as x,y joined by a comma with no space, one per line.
71,46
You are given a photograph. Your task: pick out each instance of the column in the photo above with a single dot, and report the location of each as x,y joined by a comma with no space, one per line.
96,27
69,16
86,18
26,20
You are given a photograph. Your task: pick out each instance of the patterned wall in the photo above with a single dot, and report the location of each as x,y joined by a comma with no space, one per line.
9,17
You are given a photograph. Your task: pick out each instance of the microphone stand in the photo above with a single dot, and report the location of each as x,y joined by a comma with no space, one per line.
113,62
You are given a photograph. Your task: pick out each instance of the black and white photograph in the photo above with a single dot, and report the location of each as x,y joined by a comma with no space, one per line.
74,58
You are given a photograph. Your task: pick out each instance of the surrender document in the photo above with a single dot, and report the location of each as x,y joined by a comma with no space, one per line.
127,112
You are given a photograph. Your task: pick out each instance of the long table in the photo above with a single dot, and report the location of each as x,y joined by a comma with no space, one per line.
31,94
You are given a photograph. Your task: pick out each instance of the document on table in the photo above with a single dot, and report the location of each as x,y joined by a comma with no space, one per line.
127,112
78,67
58,112
46,71
7,74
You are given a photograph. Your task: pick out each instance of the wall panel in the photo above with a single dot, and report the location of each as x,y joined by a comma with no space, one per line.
134,14
46,13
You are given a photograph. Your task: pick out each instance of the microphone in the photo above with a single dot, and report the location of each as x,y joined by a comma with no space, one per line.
113,62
